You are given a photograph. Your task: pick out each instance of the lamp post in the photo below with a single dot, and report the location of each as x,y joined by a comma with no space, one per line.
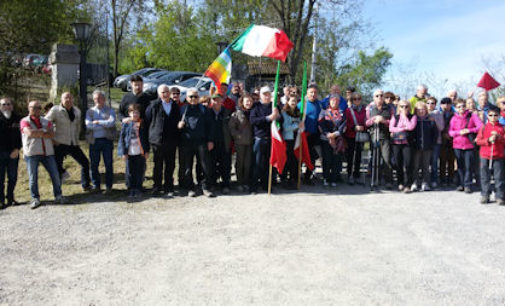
221,45
82,32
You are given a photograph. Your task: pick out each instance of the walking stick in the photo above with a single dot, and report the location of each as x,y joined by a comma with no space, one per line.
269,179
491,157
299,183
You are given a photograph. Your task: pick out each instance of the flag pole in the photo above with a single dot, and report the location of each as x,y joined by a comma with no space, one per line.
304,115
274,105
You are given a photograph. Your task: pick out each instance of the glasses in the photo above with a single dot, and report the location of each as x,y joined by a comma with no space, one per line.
193,97
379,96
403,106
6,104
431,103
176,93
492,115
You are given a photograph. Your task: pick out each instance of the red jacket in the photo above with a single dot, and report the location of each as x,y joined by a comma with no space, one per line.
360,118
485,145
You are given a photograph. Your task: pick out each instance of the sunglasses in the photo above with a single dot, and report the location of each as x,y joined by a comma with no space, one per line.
492,115
6,104
193,97
176,93
36,107
379,96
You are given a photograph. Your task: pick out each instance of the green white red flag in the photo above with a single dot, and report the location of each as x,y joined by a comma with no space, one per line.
301,136
278,149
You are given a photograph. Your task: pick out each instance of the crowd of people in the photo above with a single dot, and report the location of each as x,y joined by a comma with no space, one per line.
416,144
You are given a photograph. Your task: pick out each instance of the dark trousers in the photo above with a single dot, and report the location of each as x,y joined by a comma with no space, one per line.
422,161
61,151
499,177
261,150
330,162
164,165
353,157
435,157
135,167
291,169
312,141
464,159
243,164
476,165
402,156
446,163
102,147
10,166
220,165
189,151
384,150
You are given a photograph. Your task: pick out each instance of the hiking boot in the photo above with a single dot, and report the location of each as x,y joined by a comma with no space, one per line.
484,200
460,188
191,193
425,187
60,200
468,190
413,188
35,203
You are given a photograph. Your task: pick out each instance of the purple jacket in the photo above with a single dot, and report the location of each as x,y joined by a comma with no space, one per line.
458,123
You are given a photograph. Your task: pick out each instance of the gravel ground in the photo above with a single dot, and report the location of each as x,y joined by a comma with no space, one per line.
318,246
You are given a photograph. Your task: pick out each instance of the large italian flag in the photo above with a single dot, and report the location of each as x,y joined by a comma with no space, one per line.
260,40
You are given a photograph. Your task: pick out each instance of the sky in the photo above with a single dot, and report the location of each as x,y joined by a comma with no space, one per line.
445,39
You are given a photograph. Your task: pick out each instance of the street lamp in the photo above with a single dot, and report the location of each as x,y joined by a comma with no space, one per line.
82,32
221,45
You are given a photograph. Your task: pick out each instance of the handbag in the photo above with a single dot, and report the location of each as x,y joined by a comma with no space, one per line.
361,137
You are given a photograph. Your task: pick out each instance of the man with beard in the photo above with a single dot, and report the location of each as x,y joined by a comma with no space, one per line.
10,144
137,96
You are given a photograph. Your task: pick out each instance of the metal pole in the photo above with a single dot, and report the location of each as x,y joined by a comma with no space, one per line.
83,85
314,47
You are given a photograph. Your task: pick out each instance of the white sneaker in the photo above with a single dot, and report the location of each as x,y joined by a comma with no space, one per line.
425,187
413,188
34,203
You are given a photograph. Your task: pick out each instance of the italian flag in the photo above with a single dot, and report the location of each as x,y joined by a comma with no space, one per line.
301,146
278,150
258,40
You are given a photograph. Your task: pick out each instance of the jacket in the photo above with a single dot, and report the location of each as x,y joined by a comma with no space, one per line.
401,124
127,133
313,109
37,146
439,121
425,134
498,148
331,121
458,123
198,124
162,128
107,123
220,127
289,126
386,112
240,127
11,138
65,131
259,121
360,114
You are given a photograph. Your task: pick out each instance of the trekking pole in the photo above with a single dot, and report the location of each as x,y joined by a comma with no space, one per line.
491,157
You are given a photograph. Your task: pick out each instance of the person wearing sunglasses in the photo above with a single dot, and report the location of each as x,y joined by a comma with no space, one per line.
462,128
437,115
10,144
492,158
377,122
37,135
197,139
401,127
162,117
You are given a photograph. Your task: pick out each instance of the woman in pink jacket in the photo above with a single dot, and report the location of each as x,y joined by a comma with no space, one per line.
463,128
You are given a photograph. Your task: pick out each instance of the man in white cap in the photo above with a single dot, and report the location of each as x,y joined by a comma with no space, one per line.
261,117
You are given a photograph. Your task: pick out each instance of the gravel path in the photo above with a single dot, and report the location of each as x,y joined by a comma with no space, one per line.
322,247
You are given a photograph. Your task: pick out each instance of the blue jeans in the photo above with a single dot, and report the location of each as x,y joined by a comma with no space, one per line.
10,166
499,178
464,159
49,162
104,147
435,155
261,155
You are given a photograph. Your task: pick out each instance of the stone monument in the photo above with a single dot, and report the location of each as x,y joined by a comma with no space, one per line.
65,61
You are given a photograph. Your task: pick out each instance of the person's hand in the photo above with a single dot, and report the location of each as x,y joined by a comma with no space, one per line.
14,154
95,121
359,128
463,132
378,119
275,114
125,157
330,135
301,126
126,120
210,145
180,125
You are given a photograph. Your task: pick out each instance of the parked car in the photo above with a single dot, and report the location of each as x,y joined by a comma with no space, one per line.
204,84
122,80
169,78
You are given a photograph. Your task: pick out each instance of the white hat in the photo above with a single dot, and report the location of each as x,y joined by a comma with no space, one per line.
265,89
